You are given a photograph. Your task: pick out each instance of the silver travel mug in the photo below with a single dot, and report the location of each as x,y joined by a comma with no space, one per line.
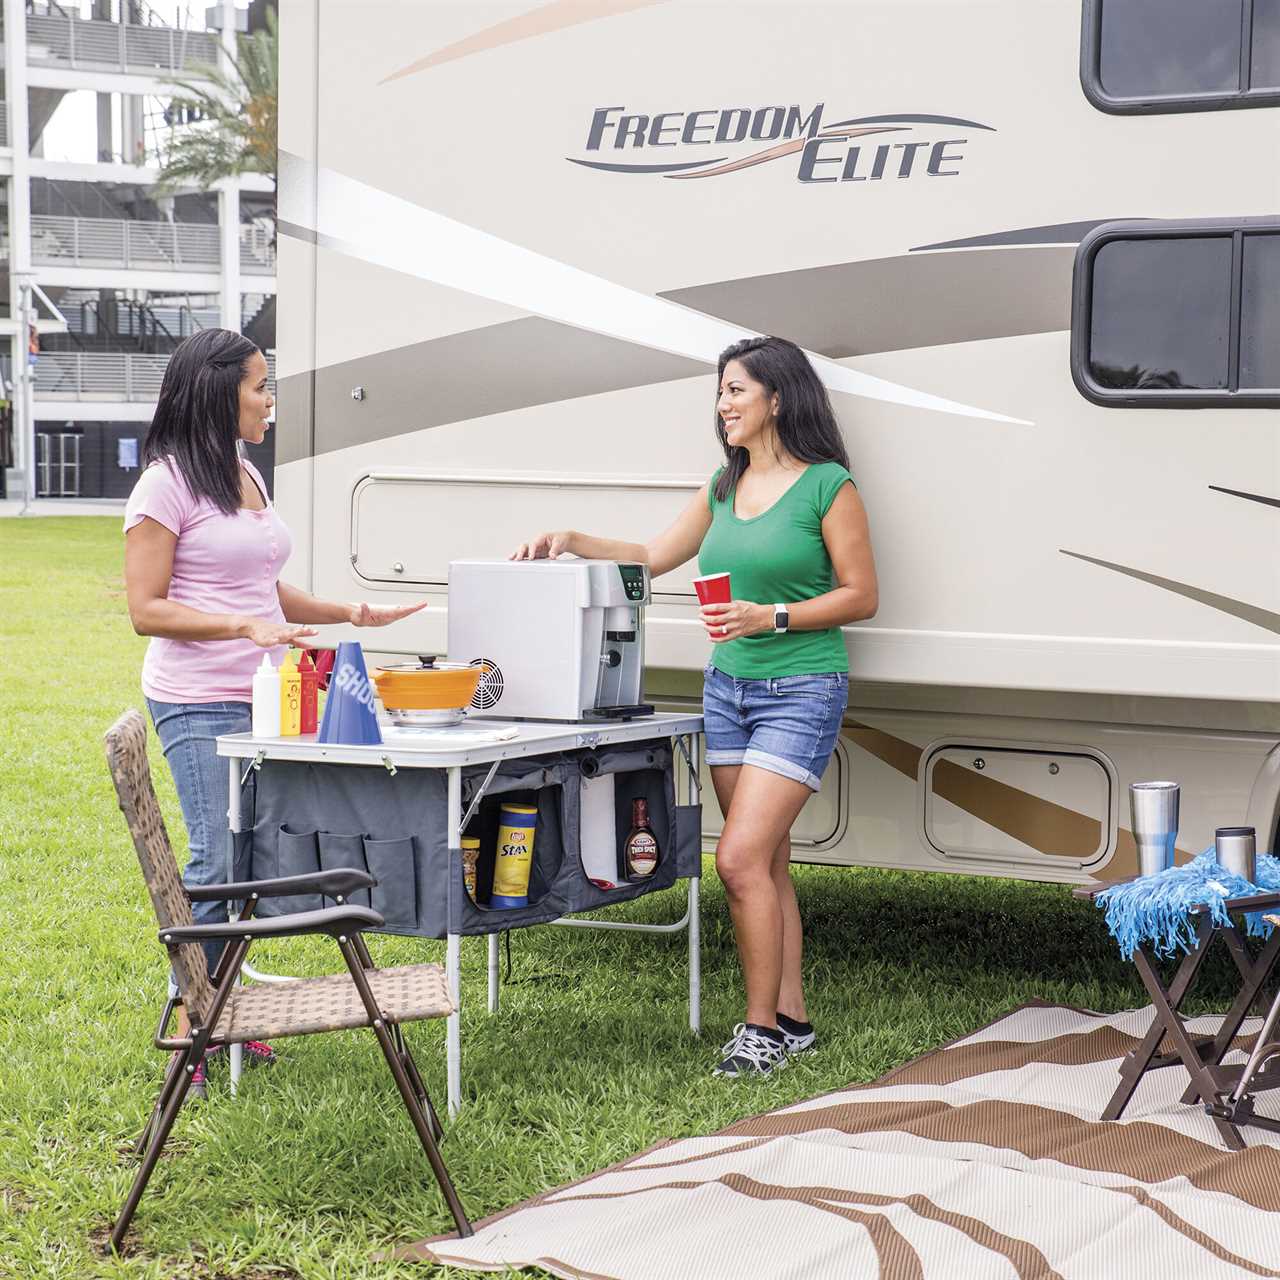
1236,850
1153,809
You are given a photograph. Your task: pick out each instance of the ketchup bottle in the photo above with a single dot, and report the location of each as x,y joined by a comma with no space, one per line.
310,695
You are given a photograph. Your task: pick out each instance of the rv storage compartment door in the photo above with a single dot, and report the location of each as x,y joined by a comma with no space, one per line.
406,528
998,804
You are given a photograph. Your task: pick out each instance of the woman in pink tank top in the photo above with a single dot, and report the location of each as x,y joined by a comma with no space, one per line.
204,548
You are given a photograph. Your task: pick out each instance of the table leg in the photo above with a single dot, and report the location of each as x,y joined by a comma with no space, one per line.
695,957
493,972
1136,1064
453,960
234,819
695,896
1203,1079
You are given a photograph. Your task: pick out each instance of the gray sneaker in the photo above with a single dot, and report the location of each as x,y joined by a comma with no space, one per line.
752,1051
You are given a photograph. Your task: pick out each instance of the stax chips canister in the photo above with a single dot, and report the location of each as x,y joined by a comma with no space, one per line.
517,824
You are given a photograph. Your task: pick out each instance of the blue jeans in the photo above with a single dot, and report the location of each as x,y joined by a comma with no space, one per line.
786,724
187,732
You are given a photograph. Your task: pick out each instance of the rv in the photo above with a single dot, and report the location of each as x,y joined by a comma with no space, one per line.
1031,250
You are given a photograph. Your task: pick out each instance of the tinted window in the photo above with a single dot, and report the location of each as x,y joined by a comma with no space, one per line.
1159,48
1260,313
1161,313
1264,61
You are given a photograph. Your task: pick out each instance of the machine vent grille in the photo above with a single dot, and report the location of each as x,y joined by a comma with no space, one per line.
489,690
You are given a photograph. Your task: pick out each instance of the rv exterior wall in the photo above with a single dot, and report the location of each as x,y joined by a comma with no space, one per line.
534,326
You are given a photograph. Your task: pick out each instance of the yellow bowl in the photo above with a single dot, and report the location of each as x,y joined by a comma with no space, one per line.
426,688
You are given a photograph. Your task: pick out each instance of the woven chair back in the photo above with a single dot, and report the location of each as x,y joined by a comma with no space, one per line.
127,756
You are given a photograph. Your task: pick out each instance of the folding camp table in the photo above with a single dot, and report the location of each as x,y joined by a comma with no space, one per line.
1226,1092
406,750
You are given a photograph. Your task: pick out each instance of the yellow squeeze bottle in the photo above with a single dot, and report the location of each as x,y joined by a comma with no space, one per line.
290,696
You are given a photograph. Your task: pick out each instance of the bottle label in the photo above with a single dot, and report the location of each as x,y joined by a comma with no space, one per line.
642,854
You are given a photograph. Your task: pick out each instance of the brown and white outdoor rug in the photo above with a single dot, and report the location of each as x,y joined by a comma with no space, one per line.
984,1159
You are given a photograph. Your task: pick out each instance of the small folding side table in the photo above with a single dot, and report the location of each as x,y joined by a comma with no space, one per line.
1226,1092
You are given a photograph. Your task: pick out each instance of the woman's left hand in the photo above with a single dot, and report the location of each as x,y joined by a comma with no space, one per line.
735,619
378,615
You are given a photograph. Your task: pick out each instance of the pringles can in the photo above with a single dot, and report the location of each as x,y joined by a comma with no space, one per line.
470,856
517,824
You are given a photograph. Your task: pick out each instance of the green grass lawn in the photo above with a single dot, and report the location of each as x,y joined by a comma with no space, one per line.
314,1168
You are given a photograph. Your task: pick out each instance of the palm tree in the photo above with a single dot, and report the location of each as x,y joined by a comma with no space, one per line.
232,113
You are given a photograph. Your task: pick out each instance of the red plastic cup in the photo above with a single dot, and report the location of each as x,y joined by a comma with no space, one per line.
713,589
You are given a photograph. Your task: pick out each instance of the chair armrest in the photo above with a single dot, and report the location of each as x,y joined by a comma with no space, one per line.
332,920
332,882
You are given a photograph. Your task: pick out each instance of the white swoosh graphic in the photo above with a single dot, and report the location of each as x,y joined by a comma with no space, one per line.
377,227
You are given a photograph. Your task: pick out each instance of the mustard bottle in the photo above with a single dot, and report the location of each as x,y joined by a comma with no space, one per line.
290,696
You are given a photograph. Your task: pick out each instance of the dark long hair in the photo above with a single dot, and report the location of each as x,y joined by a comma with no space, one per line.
807,427
197,419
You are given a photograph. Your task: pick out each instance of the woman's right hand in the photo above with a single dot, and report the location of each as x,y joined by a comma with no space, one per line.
546,546
270,635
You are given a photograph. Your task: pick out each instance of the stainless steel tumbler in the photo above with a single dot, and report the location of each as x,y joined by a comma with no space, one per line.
1236,850
1153,809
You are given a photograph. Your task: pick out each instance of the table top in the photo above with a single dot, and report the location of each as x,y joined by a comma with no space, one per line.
407,749
1252,902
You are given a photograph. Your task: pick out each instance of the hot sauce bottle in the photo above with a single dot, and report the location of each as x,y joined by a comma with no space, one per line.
310,681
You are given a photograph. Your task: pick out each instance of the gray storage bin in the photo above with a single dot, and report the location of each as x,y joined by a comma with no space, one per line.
403,819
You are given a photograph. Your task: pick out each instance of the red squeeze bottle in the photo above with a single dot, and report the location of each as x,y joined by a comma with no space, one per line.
310,695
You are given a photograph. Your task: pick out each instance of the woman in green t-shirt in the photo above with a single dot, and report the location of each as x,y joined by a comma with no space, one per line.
783,518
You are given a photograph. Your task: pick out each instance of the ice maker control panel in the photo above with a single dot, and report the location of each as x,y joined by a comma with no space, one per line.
632,580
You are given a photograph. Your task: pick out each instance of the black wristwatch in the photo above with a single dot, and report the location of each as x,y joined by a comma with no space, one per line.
781,619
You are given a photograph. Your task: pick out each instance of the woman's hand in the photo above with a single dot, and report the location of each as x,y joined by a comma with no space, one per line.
270,635
379,615
736,619
546,546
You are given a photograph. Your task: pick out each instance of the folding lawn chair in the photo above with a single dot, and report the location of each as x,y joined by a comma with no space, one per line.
222,1012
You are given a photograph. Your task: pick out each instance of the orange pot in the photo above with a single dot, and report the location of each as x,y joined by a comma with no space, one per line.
414,688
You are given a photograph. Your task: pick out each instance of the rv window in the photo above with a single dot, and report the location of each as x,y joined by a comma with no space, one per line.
1260,313
1160,313
1180,55
1182,315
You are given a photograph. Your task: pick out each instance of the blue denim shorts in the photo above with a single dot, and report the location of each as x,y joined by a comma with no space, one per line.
786,724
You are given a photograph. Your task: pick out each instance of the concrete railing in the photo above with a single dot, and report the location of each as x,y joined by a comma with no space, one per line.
90,375
4,124
57,240
93,44
101,242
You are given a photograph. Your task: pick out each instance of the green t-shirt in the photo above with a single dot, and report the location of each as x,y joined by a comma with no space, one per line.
777,557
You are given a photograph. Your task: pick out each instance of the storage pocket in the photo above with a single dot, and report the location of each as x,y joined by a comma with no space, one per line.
241,856
340,852
649,785
297,854
688,839
395,896
548,845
